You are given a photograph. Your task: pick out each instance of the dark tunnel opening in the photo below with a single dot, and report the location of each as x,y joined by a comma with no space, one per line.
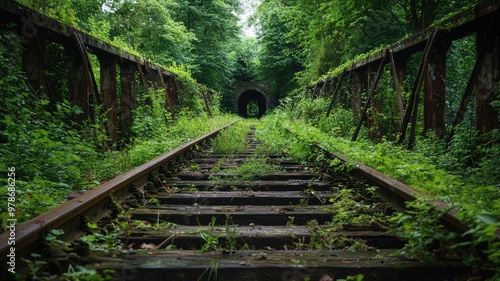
252,104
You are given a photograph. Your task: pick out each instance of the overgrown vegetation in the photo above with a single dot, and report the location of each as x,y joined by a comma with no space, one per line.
199,35
299,42
477,198
232,141
308,38
54,156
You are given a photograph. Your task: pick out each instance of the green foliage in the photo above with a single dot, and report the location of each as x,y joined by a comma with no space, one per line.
61,10
468,190
36,138
81,273
37,269
251,168
278,59
144,27
340,122
52,156
349,210
420,225
321,35
245,53
484,230
211,241
214,26
326,238
191,36
231,141
101,239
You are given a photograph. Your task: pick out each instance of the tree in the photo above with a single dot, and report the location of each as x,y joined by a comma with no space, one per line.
245,54
279,59
148,27
215,26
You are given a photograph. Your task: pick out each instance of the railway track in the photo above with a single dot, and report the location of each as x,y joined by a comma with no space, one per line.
193,214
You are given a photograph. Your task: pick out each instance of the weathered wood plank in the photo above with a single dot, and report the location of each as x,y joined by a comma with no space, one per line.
254,185
202,175
276,265
259,236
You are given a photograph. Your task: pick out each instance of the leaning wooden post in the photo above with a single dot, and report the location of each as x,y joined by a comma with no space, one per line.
398,71
168,96
358,87
325,84
435,88
144,83
370,94
334,94
412,110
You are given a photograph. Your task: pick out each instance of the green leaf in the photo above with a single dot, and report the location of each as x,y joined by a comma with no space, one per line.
92,225
488,218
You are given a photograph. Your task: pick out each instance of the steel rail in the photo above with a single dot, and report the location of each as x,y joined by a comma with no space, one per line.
401,192
33,230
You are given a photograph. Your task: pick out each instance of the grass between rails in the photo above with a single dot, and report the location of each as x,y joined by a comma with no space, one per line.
479,203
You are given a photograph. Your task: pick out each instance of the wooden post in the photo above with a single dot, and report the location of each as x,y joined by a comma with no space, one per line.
176,88
144,83
358,87
35,65
371,93
168,95
488,81
108,89
325,84
334,94
128,98
435,89
398,71
79,86
488,35
313,95
207,107
412,110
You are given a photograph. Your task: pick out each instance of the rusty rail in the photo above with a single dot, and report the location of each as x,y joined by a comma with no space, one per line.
398,193
72,212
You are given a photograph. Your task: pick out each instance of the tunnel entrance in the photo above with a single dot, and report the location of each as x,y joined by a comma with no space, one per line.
252,104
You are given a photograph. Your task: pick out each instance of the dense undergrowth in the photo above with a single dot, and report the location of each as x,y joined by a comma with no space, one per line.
472,190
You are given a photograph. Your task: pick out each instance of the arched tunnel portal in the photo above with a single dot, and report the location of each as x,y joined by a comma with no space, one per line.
252,103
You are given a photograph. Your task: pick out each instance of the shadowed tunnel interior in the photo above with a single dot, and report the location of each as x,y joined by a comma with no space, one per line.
252,103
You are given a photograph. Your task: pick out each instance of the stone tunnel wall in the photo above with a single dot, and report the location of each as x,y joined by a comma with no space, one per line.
246,91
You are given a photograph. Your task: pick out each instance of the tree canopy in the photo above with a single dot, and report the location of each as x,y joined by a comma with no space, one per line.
298,41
